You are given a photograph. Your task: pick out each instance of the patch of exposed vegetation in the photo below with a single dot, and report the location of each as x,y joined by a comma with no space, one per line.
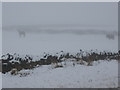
13,64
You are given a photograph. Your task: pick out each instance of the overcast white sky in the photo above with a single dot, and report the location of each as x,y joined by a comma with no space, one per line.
36,13
91,13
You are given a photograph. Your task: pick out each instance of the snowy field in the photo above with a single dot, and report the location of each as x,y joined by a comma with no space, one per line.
103,74
0,80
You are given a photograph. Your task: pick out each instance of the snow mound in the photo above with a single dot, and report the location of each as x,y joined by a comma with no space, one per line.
103,74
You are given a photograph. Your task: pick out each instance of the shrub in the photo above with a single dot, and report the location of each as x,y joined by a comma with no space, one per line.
9,62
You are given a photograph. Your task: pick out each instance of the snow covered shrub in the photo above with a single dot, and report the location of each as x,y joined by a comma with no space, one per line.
14,71
6,67
90,64
67,56
24,74
53,59
73,64
81,62
0,65
10,62
58,66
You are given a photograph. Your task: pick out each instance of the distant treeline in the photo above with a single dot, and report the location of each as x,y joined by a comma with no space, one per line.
10,61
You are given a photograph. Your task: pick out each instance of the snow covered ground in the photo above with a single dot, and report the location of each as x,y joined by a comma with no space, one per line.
0,80
103,74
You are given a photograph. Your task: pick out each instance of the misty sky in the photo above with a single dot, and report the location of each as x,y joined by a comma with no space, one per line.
35,13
